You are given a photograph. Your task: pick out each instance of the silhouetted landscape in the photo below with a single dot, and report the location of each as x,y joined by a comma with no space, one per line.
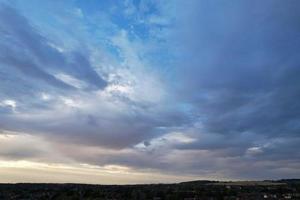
194,190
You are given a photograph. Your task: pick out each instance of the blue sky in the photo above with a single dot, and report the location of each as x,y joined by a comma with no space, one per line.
149,91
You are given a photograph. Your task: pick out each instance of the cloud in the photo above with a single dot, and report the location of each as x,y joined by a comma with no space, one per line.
239,66
194,89
26,50
238,69
67,100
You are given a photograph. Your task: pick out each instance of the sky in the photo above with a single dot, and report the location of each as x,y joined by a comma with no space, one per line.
149,91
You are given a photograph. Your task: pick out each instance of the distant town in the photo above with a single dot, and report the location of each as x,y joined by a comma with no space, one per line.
194,190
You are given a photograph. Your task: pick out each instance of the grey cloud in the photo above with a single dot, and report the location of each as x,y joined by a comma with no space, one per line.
100,128
238,84
24,48
81,68
29,64
211,164
241,66
239,72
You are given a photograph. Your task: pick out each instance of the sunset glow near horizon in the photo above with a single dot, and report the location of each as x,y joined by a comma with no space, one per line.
149,91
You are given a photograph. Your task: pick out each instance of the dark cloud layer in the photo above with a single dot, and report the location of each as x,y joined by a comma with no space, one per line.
230,105
243,67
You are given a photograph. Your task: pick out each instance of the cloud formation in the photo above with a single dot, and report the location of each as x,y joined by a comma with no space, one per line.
192,89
